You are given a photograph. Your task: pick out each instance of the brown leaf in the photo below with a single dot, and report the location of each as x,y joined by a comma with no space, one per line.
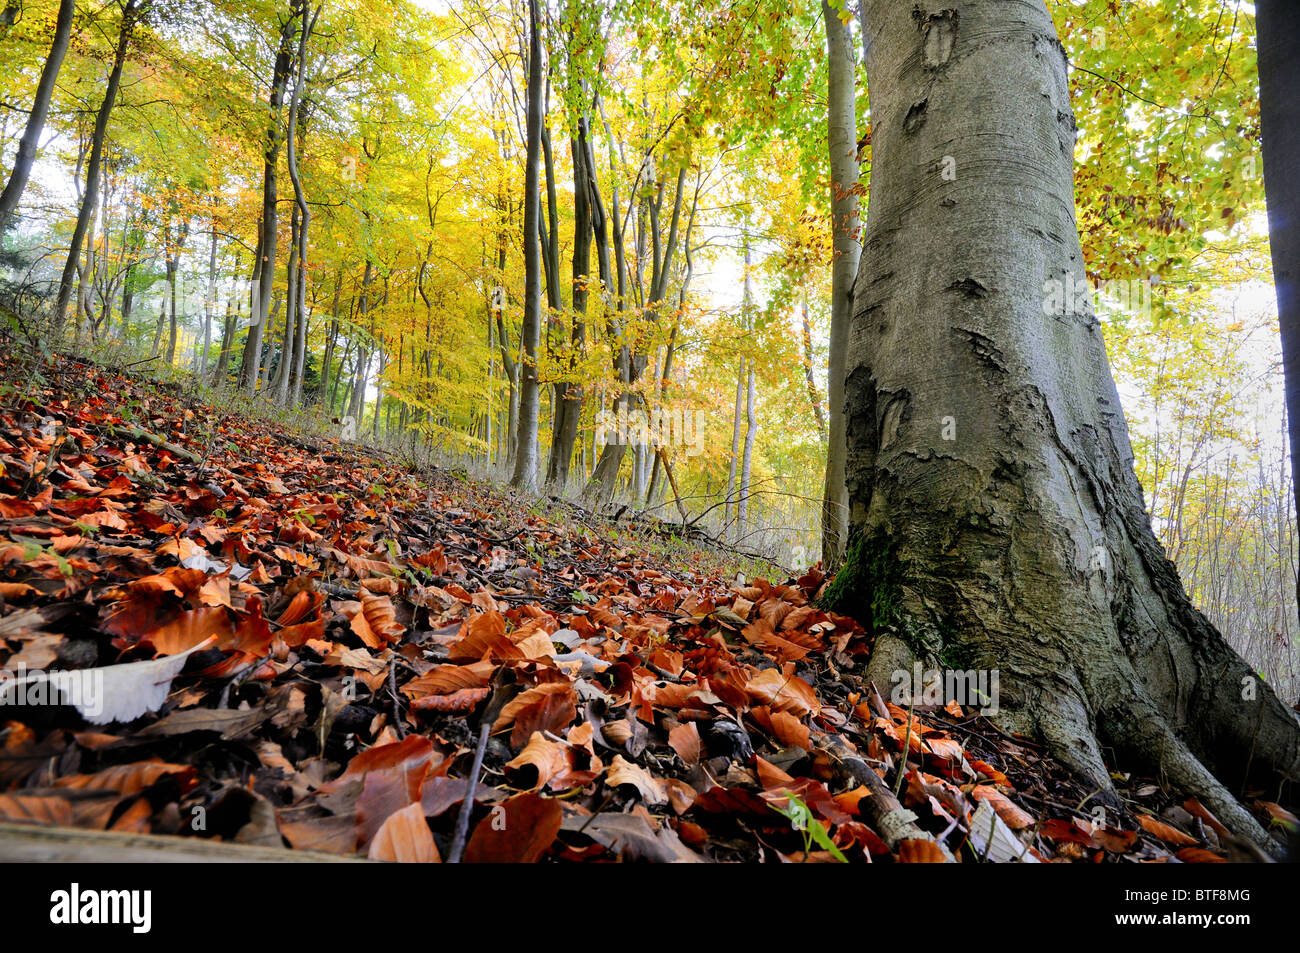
650,788
1199,855
685,740
1170,835
128,779
1015,817
404,838
789,730
540,761
35,810
919,852
189,629
519,830
376,623
782,692
457,703
407,759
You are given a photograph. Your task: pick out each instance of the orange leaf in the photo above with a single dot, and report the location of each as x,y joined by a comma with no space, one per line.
457,703
685,740
376,623
1170,835
128,779
541,760
919,852
517,831
1015,817
789,730
36,810
189,629
404,838
1199,855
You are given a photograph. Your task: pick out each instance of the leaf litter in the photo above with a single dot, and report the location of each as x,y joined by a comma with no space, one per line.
298,640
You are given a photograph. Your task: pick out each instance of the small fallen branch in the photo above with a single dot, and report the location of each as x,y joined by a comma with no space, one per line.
467,806
888,817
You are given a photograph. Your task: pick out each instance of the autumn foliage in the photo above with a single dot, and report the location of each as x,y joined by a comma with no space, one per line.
352,625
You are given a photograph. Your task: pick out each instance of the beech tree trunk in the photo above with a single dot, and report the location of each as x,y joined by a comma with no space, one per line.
1278,46
995,517
525,472
569,394
842,146
13,191
264,267
90,197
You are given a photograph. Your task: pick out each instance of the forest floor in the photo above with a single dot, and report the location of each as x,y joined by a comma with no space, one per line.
320,637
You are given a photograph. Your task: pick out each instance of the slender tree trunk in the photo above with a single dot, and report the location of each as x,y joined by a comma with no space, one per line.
173,262
746,465
90,197
13,191
333,335
747,462
1278,43
298,301
264,268
209,302
814,395
996,518
841,127
283,367
729,501
357,400
525,473
569,394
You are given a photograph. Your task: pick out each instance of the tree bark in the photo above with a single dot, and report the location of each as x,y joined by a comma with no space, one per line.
1277,24
173,261
814,396
569,394
264,267
841,142
525,473
13,191
996,520
90,197
209,302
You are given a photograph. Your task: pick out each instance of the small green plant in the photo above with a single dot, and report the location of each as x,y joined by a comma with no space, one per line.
813,830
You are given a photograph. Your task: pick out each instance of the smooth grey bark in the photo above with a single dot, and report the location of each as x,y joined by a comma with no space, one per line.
995,516
264,267
841,143
751,424
530,333
173,262
357,399
293,360
569,394
814,396
728,502
31,137
747,461
630,365
280,383
90,196
1277,43
688,272
209,302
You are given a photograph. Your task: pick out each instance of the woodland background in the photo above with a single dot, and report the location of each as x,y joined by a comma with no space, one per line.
396,132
